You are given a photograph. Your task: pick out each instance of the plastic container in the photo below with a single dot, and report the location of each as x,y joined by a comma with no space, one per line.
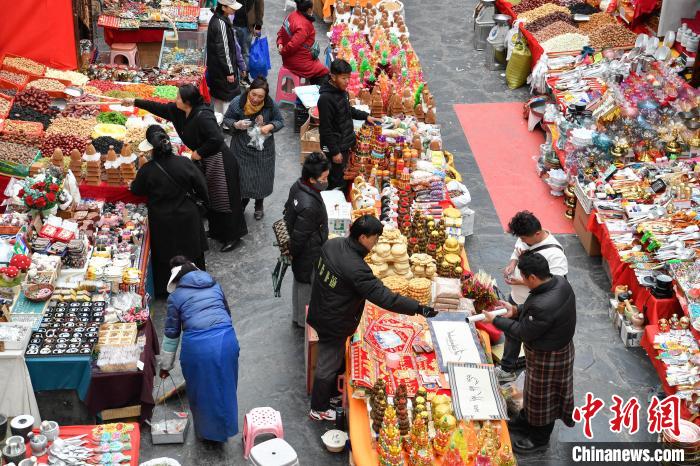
6,84
17,70
10,100
55,94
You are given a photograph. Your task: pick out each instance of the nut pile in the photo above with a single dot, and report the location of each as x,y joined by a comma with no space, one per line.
527,5
81,111
14,78
5,106
135,135
597,21
21,132
73,76
20,112
17,153
65,142
47,84
582,8
37,99
565,43
542,11
553,30
81,127
612,35
10,92
102,144
24,64
543,22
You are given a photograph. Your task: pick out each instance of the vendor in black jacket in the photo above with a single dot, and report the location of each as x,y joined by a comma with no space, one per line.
307,224
341,284
545,323
335,121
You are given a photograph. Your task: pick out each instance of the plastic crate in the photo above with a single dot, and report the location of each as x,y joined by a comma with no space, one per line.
17,169
55,94
4,83
10,100
17,70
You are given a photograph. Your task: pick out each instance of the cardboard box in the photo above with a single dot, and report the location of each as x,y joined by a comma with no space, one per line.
631,337
588,240
339,212
309,137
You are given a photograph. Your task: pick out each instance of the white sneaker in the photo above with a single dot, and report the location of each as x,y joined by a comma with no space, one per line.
504,376
328,415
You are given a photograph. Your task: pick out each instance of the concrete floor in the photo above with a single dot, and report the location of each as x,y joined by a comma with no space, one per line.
271,361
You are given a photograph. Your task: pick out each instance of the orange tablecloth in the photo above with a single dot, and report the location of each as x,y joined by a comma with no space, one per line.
364,452
72,431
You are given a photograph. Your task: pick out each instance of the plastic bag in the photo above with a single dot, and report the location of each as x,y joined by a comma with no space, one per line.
257,138
518,67
259,58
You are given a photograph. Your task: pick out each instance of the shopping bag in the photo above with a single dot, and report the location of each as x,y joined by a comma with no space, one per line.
518,68
259,58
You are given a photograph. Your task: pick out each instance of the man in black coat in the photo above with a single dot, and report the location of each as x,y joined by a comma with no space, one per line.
342,282
335,115
546,324
224,59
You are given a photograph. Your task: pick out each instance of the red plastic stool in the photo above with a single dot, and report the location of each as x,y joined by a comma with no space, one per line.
128,52
281,95
260,421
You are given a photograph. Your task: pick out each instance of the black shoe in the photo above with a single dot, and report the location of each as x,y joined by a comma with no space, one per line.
517,427
525,446
259,214
231,245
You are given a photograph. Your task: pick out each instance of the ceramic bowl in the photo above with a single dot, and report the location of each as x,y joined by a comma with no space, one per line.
335,440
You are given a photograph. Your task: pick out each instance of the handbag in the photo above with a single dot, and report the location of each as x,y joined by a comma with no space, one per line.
196,200
279,228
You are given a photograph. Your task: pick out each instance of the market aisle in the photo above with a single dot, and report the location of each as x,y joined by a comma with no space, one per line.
271,361
503,148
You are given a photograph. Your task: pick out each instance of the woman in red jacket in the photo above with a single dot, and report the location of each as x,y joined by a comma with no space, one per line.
296,42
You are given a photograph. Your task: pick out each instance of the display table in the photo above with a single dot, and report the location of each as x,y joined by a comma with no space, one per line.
73,431
100,390
647,343
16,391
104,191
622,274
364,452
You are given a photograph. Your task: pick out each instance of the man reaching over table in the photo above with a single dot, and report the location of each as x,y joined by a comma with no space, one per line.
341,283
545,323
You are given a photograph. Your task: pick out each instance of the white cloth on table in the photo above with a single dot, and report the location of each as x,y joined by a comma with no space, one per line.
16,391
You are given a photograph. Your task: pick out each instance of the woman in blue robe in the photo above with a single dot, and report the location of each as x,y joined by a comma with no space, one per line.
198,312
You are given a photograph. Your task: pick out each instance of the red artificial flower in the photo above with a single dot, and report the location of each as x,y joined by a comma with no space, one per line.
39,185
51,197
41,202
53,187
21,193
29,200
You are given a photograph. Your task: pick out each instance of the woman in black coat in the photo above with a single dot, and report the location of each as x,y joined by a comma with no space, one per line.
173,219
196,125
224,59
307,224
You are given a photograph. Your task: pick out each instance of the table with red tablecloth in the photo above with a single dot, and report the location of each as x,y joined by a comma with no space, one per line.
622,274
647,343
104,191
74,431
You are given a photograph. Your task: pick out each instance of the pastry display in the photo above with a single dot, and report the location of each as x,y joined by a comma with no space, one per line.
389,256
420,290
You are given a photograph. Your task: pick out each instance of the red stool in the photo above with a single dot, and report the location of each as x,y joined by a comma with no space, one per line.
128,52
282,95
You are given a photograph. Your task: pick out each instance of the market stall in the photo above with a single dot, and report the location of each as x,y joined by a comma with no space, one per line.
76,245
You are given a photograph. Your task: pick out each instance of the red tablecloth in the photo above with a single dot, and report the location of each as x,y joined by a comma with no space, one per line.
109,390
621,273
72,431
647,343
121,36
103,191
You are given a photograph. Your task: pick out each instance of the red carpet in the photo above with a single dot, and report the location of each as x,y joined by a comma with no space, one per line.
503,149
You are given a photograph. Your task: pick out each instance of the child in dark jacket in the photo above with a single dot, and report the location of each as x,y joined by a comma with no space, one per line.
335,121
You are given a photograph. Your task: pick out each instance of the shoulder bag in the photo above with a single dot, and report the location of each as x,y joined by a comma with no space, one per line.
191,196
